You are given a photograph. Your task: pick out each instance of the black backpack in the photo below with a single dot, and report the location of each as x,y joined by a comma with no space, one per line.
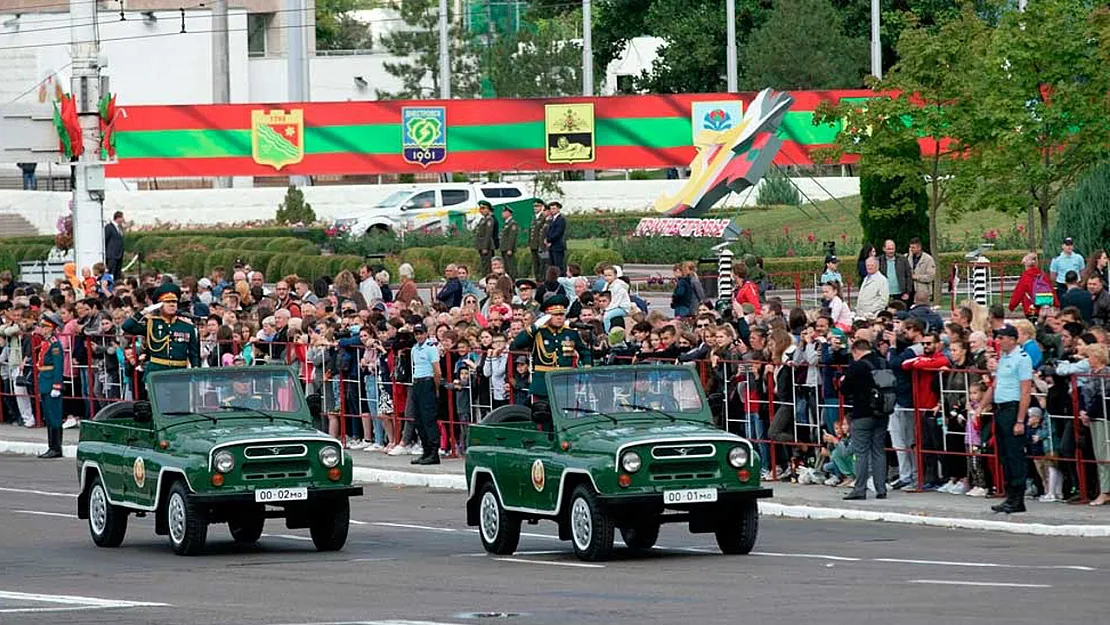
882,391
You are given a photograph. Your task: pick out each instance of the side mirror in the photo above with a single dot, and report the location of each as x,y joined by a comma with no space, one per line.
143,412
315,405
541,413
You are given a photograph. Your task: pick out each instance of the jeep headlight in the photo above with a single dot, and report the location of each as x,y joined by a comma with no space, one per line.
329,456
224,462
631,461
738,456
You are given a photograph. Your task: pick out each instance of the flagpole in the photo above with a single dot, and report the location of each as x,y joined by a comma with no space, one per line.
88,179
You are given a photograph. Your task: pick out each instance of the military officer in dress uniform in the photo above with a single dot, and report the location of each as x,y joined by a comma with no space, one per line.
50,364
170,341
242,397
537,243
510,231
553,345
485,237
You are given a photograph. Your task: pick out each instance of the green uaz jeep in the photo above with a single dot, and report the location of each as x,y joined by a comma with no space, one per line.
220,445
626,448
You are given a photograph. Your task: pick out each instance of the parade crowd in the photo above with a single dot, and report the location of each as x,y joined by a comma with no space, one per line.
982,402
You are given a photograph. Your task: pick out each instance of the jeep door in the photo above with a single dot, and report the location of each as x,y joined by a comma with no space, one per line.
420,210
140,464
107,442
529,461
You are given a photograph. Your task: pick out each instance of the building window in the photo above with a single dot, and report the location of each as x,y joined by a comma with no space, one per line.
257,25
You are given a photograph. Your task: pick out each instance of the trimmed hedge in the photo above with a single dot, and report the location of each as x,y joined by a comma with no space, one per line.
1010,261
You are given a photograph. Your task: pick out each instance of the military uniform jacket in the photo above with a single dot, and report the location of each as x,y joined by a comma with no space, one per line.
509,235
485,235
50,364
168,344
537,235
546,346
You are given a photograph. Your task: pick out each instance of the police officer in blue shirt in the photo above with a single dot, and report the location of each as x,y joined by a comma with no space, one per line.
1068,260
1013,385
426,376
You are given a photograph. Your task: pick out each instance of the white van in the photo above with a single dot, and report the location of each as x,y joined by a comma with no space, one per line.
429,206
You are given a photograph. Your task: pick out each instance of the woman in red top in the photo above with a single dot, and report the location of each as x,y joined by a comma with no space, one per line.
1023,293
745,292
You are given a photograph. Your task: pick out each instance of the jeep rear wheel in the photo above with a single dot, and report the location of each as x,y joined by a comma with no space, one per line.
187,523
107,523
500,530
330,525
246,526
738,530
591,529
641,536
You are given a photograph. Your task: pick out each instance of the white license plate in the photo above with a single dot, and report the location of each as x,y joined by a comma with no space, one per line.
690,495
273,495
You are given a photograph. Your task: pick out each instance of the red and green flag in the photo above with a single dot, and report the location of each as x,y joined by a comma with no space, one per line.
108,112
68,126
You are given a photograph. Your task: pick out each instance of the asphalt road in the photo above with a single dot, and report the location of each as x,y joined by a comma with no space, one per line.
412,560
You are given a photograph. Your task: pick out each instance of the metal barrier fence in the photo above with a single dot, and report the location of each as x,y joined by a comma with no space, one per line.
785,408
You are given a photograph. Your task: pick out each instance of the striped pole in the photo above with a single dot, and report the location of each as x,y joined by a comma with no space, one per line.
724,274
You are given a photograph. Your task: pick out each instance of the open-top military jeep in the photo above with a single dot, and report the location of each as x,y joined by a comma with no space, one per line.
626,448
219,445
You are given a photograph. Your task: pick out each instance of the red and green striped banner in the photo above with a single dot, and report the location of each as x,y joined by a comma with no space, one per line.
331,138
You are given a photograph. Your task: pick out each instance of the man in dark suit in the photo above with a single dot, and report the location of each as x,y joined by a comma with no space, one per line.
556,237
113,246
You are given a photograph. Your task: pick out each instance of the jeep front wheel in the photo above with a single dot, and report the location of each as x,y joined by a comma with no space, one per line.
107,523
738,529
330,525
641,536
591,529
187,523
246,526
500,531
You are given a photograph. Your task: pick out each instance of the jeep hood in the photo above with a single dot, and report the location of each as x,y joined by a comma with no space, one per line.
605,437
206,434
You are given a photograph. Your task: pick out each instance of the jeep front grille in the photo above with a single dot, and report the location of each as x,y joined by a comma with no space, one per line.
683,452
275,470
669,471
274,452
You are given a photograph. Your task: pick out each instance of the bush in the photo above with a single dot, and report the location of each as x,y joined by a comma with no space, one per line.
589,259
778,191
894,207
660,250
293,209
1083,215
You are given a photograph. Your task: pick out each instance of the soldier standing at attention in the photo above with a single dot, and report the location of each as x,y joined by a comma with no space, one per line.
553,345
510,232
485,236
537,243
170,342
49,364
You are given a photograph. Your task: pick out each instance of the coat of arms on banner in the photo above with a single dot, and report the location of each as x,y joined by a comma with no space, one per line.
277,137
716,116
570,133
424,135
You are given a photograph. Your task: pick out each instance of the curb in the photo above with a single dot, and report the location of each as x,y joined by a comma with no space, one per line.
451,481
24,448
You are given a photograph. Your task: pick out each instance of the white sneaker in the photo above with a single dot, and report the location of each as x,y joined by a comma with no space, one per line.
978,491
1049,498
959,488
416,450
374,447
356,444
70,423
399,450
946,488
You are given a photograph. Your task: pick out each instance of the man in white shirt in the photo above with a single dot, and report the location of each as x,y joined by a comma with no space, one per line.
369,287
874,293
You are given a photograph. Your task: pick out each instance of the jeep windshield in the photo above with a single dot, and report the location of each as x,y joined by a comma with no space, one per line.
393,199
232,390
623,392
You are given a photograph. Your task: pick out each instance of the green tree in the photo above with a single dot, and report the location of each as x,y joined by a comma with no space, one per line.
892,206
802,46
922,99
539,60
1083,215
294,210
418,45
1040,117
337,30
897,15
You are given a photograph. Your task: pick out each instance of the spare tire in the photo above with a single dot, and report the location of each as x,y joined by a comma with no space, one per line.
509,414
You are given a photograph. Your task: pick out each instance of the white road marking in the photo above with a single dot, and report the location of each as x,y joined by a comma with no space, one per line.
816,556
70,603
354,522
410,526
578,565
287,537
515,553
989,565
952,582
41,513
28,491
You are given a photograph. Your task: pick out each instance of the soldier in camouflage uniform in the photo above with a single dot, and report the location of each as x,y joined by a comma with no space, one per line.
510,232
485,237
537,242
